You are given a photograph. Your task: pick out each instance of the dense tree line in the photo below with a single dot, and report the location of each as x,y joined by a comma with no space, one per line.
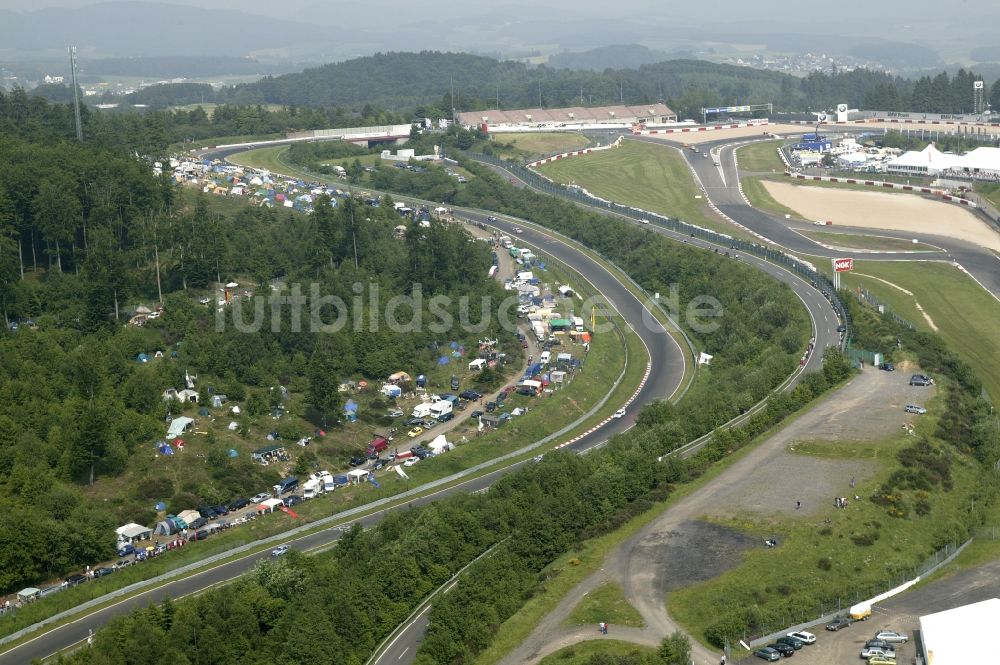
86,234
431,84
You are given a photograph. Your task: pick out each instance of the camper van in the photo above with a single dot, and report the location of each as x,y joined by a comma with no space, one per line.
545,357
421,411
441,408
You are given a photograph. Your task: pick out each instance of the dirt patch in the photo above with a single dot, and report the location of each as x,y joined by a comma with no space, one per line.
868,408
693,551
695,138
879,210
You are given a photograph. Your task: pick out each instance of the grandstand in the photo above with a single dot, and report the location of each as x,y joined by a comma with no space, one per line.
574,116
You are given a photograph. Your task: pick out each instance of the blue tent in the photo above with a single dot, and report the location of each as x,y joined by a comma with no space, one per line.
160,506
421,381
443,360
351,411
165,449
142,358
233,453
454,345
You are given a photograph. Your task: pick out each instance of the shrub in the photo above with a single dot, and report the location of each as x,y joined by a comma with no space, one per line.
825,563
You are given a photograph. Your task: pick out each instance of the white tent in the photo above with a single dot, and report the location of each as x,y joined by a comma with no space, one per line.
178,426
270,505
133,531
357,475
439,445
189,516
477,365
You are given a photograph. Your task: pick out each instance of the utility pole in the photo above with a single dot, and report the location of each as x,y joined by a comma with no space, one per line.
621,91
76,93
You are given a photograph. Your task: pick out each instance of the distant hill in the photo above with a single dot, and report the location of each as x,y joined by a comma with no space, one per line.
149,29
401,80
621,56
186,66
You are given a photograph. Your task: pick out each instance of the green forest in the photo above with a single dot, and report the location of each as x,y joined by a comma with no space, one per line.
87,234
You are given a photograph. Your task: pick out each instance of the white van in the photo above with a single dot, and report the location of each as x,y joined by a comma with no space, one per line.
544,358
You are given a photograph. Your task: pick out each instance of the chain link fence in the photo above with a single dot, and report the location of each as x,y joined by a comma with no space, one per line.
829,607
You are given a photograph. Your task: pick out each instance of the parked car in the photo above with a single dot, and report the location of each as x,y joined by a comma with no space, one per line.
877,643
429,423
793,642
263,496
395,413
768,654
198,523
913,408
292,500
470,395
888,367
358,460
891,636
411,461
101,572
207,512
410,422
73,580
838,623
445,417
239,503
477,413
920,380
881,660
415,432
221,510
380,463
807,638
869,652
280,550
491,407
782,648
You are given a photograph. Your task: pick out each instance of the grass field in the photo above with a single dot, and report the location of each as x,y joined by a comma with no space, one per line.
967,316
647,176
989,191
543,143
605,603
759,197
584,652
866,241
760,157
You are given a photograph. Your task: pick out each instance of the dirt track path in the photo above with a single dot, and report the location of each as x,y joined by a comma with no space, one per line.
679,548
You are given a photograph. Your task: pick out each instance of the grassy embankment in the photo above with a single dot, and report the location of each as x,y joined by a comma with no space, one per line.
967,316
644,175
606,603
584,652
862,548
989,191
535,144
865,241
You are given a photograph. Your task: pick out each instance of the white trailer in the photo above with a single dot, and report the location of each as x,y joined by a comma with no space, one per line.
421,411
440,408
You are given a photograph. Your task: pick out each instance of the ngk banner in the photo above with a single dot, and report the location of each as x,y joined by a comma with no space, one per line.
843,265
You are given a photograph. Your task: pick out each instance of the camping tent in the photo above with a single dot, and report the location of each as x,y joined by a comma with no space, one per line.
439,445
178,426
270,505
28,594
351,411
133,532
357,475
398,377
391,391
189,515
